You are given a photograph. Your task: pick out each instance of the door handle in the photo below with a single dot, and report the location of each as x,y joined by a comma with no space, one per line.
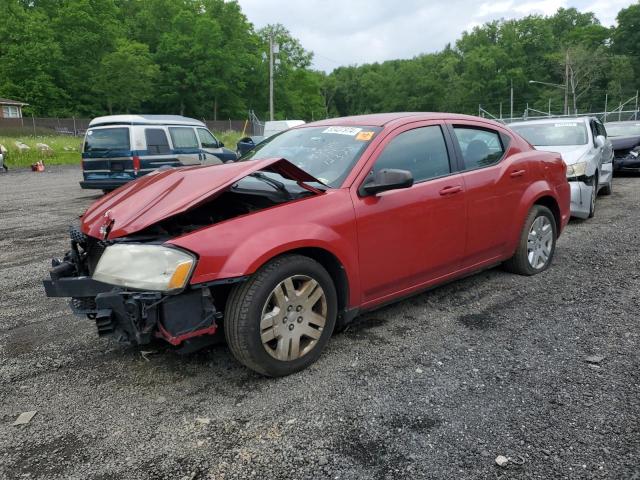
451,190
517,173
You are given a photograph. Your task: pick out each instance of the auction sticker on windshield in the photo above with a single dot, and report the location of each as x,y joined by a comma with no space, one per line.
565,125
364,136
351,131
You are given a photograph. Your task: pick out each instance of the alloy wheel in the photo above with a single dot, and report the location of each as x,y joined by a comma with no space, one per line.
293,318
540,242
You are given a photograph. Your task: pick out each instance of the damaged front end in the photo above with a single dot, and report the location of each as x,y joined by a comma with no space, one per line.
123,272
185,318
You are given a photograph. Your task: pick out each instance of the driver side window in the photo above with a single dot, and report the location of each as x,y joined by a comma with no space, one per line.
207,139
421,151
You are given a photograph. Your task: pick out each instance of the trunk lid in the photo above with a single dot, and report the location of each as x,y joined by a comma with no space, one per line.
165,193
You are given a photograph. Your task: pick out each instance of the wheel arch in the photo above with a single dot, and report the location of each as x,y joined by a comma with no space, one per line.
552,204
331,264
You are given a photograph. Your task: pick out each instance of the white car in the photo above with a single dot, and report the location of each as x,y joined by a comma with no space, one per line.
586,150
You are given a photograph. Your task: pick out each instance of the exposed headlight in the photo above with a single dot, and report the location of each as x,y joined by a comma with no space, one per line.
145,267
577,169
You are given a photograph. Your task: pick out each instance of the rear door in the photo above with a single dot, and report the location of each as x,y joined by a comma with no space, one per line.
107,154
494,185
186,146
410,237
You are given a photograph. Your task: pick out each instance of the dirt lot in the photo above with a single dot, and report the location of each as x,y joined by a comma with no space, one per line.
433,387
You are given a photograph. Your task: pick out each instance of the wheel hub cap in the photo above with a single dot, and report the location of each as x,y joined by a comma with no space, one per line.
293,318
539,242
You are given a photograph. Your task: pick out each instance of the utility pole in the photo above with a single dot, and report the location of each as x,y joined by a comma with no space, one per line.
606,105
511,117
549,107
500,110
635,116
271,76
566,83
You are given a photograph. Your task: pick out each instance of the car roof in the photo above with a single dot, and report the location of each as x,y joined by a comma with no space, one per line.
550,120
145,120
383,119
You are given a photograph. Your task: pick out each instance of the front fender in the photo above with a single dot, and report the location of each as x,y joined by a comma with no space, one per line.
239,247
269,244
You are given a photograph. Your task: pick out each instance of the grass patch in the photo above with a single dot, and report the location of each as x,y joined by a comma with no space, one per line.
229,138
66,149
60,156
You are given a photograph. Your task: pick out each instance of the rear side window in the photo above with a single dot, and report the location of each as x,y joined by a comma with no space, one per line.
480,148
206,139
157,142
183,137
103,139
422,151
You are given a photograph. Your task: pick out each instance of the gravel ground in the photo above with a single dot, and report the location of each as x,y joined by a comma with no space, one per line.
436,386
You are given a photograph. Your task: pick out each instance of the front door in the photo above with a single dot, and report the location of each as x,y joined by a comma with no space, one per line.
213,151
410,237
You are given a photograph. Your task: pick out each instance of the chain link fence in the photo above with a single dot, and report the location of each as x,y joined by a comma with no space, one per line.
35,126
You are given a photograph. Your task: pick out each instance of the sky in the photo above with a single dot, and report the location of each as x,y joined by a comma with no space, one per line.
350,32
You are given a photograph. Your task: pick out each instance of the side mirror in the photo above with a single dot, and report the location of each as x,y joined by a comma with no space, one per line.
220,144
600,141
386,179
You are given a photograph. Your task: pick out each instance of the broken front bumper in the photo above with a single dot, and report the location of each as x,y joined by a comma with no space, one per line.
628,163
133,317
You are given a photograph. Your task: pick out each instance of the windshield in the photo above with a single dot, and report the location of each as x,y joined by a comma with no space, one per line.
623,129
327,153
103,139
553,134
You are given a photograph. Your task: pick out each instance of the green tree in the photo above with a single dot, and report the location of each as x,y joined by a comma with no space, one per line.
126,77
626,36
85,31
30,59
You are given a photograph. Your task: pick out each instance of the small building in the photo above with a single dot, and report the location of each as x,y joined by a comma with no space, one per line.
11,108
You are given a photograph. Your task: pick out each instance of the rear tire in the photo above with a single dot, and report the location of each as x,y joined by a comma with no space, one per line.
279,321
537,243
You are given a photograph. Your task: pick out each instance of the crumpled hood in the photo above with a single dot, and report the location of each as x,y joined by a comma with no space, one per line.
165,193
570,154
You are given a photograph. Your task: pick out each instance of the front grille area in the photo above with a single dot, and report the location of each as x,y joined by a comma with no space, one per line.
89,249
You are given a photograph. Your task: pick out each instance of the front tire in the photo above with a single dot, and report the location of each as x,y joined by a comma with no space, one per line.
537,243
592,200
280,320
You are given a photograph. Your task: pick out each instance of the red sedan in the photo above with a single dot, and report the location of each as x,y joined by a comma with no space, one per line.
316,225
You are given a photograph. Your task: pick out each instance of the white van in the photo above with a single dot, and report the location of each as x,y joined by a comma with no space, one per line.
121,148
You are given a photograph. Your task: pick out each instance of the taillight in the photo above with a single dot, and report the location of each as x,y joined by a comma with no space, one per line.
136,164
